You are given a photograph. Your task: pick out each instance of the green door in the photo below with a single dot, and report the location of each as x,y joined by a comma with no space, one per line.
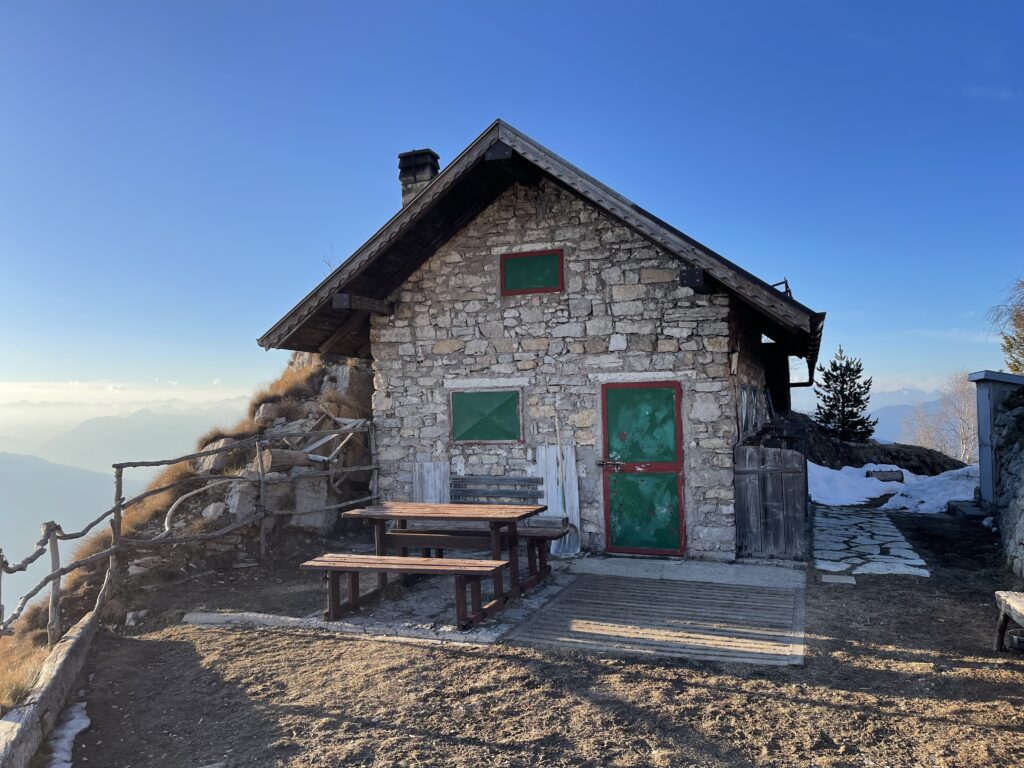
643,467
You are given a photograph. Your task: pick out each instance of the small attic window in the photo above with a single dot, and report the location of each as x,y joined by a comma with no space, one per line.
532,272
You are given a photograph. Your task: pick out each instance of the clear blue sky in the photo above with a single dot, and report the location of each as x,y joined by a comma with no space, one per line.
173,175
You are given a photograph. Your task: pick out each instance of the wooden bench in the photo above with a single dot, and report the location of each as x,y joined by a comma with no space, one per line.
536,532
1011,606
466,573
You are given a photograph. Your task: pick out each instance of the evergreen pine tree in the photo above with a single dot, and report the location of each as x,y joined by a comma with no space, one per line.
843,399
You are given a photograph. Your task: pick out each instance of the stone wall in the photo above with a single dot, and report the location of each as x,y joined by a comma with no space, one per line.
622,317
1009,479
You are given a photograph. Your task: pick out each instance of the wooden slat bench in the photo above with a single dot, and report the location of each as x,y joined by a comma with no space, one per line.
1011,606
466,572
433,538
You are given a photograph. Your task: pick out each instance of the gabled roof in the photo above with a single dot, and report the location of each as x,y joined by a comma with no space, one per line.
499,157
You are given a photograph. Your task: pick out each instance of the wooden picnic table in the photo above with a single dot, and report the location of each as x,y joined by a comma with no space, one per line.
497,516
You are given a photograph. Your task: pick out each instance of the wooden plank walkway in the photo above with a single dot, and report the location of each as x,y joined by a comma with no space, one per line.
684,619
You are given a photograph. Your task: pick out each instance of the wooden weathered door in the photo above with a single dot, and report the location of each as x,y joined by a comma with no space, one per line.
771,502
643,468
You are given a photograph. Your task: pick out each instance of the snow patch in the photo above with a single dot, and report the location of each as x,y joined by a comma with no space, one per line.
62,740
929,495
849,486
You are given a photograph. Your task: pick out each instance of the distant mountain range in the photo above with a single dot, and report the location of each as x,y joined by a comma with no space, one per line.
892,420
33,491
144,435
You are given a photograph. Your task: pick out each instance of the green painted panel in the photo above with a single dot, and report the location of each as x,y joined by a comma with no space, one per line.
644,510
485,415
641,424
532,273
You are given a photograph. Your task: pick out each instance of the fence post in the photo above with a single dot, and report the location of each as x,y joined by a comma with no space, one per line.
53,626
371,440
115,523
260,507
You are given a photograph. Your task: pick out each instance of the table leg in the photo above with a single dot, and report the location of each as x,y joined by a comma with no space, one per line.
380,545
402,525
333,612
460,602
1004,620
499,589
513,559
353,590
475,602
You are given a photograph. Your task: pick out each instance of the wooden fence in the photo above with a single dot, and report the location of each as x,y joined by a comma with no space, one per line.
52,533
771,502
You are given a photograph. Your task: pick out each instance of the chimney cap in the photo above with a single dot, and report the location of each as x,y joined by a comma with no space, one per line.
418,165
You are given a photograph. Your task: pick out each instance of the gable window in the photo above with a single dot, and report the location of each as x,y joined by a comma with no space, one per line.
486,416
532,272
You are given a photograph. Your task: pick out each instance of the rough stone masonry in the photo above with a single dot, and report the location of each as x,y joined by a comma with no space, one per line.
623,316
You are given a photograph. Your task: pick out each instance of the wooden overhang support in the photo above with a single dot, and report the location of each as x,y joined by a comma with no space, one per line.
361,304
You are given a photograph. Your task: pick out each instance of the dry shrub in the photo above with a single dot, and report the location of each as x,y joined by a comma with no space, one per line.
243,429
296,383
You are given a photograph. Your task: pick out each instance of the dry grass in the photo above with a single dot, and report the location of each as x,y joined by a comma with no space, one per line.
295,384
241,430
22,653
20,658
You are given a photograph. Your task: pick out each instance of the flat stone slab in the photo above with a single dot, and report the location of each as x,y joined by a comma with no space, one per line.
831,565
867,542
835,578
891,569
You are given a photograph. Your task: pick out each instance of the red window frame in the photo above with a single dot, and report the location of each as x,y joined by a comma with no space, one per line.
520,291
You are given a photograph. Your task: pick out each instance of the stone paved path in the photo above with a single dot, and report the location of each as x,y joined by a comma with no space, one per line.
862,541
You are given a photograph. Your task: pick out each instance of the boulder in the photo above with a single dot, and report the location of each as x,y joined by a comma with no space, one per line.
215,511
219,461
267,414
310,499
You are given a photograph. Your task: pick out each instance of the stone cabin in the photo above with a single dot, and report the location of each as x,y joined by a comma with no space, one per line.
521,318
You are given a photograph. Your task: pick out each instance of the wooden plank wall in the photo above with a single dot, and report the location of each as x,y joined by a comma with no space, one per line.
547,468
430,482
771,502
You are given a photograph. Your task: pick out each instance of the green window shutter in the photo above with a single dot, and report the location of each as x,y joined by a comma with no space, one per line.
485,416
539,272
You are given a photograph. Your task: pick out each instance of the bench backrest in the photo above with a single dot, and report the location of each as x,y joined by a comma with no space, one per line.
486,489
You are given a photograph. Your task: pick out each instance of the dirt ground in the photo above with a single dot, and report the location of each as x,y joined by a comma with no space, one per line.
899,673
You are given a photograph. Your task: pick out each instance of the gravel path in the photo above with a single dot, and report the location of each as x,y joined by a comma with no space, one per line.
898,674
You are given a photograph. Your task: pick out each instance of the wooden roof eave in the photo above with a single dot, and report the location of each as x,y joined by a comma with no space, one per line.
278,335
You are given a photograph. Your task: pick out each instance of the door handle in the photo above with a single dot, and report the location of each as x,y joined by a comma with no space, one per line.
615,465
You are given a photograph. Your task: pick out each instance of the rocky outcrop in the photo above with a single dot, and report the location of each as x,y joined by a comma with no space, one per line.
835,454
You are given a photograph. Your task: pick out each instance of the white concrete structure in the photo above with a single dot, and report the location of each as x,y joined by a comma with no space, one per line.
993,389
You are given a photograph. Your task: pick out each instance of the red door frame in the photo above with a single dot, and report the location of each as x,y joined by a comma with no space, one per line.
676,466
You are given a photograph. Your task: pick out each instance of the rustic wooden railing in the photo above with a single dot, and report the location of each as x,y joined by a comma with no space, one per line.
52,533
